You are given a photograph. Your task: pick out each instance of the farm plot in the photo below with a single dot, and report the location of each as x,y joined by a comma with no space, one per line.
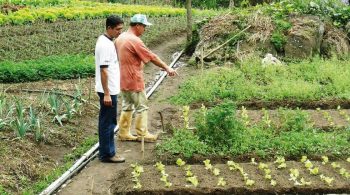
42,134
305,177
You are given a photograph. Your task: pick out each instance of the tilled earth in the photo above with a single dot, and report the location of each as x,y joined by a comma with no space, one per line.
208,183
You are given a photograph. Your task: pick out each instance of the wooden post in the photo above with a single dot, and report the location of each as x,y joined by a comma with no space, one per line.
189,20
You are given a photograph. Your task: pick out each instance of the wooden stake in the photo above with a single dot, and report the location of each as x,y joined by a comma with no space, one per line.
143,146
202,59
162,121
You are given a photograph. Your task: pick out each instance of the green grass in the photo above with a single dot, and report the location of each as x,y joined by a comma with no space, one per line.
2,191
306,80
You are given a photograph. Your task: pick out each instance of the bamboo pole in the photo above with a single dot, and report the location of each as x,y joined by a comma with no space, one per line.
220,46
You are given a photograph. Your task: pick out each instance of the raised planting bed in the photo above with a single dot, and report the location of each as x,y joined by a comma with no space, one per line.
235,178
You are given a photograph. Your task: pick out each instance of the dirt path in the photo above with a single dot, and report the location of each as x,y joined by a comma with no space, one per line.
97,178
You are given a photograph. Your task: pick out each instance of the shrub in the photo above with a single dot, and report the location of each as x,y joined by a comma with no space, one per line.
220,129
278,40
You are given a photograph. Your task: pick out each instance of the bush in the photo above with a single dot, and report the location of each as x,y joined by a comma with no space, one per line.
220,129
278,40
294,120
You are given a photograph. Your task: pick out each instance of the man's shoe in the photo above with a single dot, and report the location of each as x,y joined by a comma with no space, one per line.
114,159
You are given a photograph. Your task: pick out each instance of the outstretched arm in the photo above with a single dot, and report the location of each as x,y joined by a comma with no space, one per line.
158,62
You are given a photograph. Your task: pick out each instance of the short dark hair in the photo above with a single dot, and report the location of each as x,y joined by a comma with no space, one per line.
113,21
136,23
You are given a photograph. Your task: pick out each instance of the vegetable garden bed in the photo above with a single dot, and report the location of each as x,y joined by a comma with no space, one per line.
230,180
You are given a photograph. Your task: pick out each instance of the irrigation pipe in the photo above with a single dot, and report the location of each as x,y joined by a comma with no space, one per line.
92,153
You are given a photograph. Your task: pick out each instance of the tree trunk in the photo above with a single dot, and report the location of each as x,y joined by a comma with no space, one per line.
189,20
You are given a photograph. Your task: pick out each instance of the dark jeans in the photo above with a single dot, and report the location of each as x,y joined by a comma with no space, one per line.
107,122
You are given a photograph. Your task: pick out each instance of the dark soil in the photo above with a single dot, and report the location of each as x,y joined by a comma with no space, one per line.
151,184
292,104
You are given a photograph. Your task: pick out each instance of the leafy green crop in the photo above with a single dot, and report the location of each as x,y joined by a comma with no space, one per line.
52,67
182,142
229,138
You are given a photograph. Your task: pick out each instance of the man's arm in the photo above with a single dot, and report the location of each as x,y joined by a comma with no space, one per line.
107,101
158,62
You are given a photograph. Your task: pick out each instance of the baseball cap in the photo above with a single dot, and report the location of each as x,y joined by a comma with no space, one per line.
140,18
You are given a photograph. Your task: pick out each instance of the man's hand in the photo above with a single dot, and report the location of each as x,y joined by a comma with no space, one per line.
171,72
107,101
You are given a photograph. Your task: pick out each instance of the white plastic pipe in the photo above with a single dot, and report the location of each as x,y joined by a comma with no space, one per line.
92,153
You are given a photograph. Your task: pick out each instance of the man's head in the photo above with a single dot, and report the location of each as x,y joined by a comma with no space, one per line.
114,26
138,23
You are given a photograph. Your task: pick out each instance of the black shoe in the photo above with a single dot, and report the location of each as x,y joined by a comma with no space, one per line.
114,159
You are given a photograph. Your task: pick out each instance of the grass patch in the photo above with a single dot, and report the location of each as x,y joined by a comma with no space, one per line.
306,80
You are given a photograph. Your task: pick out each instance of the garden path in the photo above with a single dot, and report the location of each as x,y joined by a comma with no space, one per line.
97,177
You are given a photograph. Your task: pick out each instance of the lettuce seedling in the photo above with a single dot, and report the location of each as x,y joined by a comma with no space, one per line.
160,167
327,180
308,164
249,182
180,162
324,160
221,182
303,159
335,165
193,180
216,171
313,171
305,183
207,164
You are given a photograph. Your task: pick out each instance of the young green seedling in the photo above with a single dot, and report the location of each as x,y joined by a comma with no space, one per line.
180,162
207,164
193,180
185,116
245,116
294,174
281,162
264,167
221,182
190,177
309,166
137,170
327,180
325,160
342,171
266,118
164,176
234,166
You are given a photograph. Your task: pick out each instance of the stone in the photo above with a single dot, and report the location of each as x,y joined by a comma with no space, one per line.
335,43
305,37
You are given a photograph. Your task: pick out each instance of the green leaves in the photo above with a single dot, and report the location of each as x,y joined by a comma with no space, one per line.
54,67
310,79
